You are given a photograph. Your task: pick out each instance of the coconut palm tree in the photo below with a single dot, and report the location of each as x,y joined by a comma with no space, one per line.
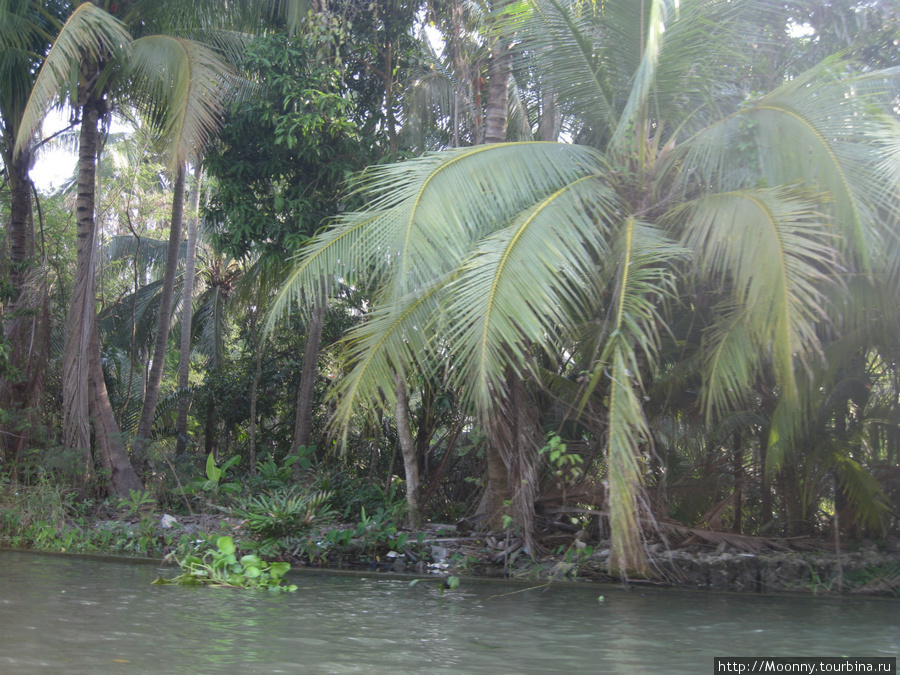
490,253
94,64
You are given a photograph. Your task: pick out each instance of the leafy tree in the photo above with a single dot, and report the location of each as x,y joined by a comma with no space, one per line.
282,160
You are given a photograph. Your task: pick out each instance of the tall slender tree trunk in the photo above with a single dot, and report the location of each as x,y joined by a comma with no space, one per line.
306,390
187,311
20,226
765,487
549,115
84,389
110,446
25,328
254,401
512,438
497,111
738,468
151,396
408,448
76,398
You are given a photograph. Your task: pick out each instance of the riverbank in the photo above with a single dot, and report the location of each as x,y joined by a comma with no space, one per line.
757,566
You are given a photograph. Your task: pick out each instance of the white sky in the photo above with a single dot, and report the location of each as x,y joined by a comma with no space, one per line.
54,165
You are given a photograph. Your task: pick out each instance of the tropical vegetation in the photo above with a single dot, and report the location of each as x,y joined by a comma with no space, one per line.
561,270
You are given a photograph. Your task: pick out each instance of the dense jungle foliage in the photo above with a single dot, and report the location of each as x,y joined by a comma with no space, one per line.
573,271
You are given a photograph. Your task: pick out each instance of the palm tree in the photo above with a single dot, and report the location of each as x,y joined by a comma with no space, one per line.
23,41
177,82
499,250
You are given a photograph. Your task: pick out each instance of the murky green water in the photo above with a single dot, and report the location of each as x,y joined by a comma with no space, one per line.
71,615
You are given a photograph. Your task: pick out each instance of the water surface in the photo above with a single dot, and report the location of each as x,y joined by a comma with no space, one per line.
76,615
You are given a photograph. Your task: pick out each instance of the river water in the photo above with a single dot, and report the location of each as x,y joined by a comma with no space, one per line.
76,615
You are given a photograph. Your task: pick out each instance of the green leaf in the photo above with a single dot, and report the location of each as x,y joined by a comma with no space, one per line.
225,545
279,569
251,560
212,471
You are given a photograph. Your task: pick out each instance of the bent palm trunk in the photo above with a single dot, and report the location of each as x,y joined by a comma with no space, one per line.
84,389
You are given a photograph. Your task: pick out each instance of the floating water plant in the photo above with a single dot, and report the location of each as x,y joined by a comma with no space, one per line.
221,567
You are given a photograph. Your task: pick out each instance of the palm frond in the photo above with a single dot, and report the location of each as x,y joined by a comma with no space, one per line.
132,320
88,32
425,213
643,281
818,131
524,281
182,85
393,339
644,79
568,41
778,254
210,321
148,252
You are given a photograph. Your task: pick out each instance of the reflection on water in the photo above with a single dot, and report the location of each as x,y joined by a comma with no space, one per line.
71,615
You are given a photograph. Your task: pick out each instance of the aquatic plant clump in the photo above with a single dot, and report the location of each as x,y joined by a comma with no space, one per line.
221,567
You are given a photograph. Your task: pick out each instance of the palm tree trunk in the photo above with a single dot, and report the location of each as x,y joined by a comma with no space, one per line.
738,467
151,398
110,449
512,459
76,398
765,487
187,312
512,446
16,389
498,93
549,115
20,225
408,448
306,390
84,389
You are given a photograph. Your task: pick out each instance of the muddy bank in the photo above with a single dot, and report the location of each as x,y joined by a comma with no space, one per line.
441,550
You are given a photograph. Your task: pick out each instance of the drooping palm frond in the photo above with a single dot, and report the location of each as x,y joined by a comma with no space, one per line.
89,31
147,252
182,85
125,384
395,338
22,44
132,320
429,96
210,322
18,24
643,281
567,39
778,255
524,281
817,131
426,212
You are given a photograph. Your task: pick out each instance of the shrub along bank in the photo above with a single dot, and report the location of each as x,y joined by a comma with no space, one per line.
307,528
